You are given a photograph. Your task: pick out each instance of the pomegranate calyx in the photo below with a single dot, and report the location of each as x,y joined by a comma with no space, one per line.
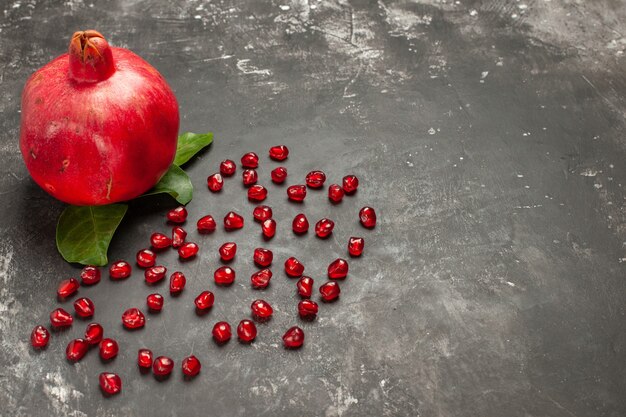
91,58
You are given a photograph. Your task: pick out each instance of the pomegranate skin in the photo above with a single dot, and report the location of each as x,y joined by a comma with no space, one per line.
98,138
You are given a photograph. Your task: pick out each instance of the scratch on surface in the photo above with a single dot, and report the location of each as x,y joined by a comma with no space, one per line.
247,68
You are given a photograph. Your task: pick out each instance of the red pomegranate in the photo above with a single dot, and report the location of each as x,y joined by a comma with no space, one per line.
99,124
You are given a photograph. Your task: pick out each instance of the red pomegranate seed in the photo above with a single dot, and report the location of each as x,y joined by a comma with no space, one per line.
350,184
177,283
84,307
177,215
68,287
188,250
300,224
305,287
215,182
330,291
146,258
221,332
204,300
279,175
160,241
250,160
155,302
206,224
144,358
307,309
324,228
355,246
279,153
90,275
249,177
108,349
94,333
228,167
60,318
76,350
228,251
257,193
133,318
294,267
315,179
338,269
296,193
293,338
246,331
39,337
263,257
155,274
162,366
261,279
262,213
335,193
120,270
261,309
269,228
233,221
178,237
110,383
367,215
224,275
191,366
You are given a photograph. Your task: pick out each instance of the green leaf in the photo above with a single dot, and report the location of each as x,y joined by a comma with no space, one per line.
190,144
176,183
84,233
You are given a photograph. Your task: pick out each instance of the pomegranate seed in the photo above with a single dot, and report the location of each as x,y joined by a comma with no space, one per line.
233,221
108,349
324,228
269,228
133,318
228,251
90,275
84,307
263,257
162,366
178,237
279,175
279,153
307,309
293,338
315,179
224,275
250,160
204,300
160,241
330,291
76,350
294,267
177,283
261,279
94,333
249,177
305,287
39,337
177,215
146,258
367,215
206,224
110,383
262,213
335,193
338,269
296,193
221,332
155,274
68,287
215,182
60,318
350,184
191,366
228,167
257,193
144,358
155,302
120,270
188,250
246,331
261,309
300,224
355,246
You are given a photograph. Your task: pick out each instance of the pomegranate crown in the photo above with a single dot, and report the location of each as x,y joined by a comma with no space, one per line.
91,58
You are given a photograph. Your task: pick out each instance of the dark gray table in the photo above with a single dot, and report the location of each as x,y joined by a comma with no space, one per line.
489,135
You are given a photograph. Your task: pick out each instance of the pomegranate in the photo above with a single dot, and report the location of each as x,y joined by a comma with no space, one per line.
108,349
204,300
155,302
263,257
144,358
315,179
215,182
110,383
159,241
293,338
246,331
279,175
262,213
335,193
269,228
93,333
191,366
39,337
221,332
99,124
305,287
355,246
261,309
261,279
90,275
279,153
307,309
228,251
206,224
228,167
84,307
296,193
162,366
250,160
